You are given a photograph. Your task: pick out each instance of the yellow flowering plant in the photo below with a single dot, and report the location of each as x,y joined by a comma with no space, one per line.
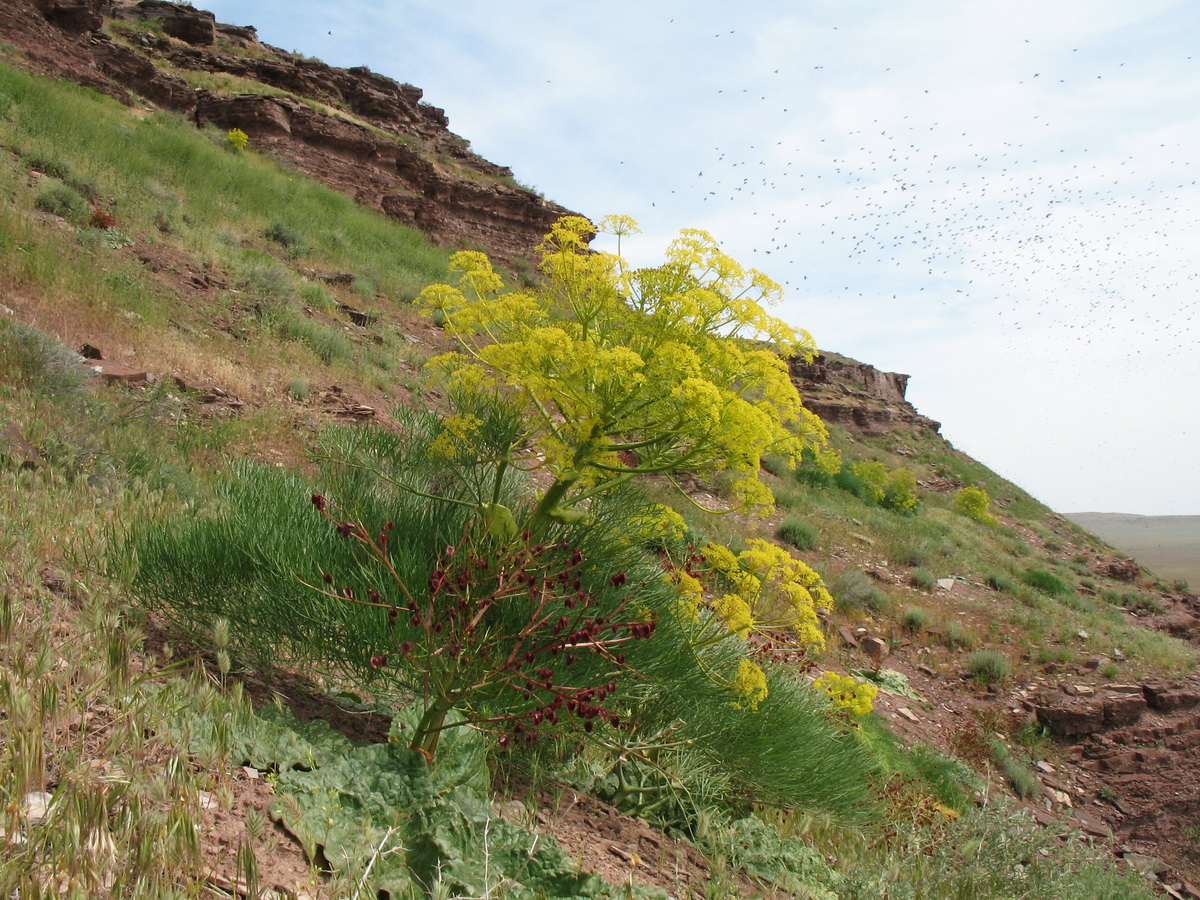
237,139
847,693
618,371
762,590
974,503
768,591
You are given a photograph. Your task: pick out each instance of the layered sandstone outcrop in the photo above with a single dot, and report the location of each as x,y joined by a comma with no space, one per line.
857,396
356,130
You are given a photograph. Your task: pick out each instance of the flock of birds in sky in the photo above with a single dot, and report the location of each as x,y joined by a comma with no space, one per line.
1078,243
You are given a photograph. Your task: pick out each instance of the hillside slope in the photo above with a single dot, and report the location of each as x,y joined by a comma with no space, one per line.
230,311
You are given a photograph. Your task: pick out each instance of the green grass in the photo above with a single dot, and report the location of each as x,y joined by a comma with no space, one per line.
98,141
1046,582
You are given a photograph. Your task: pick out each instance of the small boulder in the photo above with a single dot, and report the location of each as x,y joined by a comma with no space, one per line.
1122,709
1170,695
1064,715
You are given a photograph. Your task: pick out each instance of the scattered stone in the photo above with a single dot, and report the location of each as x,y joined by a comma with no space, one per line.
1082,635
341,278
927,670
207,800
1090,825
359,318
4,310
1165,696
1064,715
1045,767
35,807
87,351
115,373
1147,865
1126,570
908,714
1178,623
16,449
621,854
877,650
847,634
946,584
1062,798
1122,709
251,773
1123,688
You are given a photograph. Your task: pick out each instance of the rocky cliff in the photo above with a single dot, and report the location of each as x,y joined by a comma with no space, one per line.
360,132
857,396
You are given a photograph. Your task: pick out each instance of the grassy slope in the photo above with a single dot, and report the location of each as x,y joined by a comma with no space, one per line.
268,333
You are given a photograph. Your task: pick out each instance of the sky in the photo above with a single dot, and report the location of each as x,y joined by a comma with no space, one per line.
998,199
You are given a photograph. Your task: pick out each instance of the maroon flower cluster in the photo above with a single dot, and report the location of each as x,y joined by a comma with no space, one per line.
499,619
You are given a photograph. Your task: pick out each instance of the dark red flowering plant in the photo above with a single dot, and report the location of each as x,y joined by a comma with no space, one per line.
517,637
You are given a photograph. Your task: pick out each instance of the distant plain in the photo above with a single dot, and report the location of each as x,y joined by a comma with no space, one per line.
1167,545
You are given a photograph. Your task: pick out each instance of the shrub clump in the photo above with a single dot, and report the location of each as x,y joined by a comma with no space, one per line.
1046,582
875,483
923,579
60,199
914,620
853,592
797,532
287,237
989,667
1001,583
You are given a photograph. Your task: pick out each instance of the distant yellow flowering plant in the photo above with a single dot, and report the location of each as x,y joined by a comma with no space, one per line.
237,139
618,371
974,503
847,692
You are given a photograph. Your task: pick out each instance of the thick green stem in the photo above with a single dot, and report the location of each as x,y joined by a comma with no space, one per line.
429,729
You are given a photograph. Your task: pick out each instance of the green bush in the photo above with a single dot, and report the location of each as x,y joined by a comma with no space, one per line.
250,563
875,483
854,593
287,237
959,637
1001,583
1047,583
923,579
914,620
1018,775
60,199
328,343
989,667
797,532
30,359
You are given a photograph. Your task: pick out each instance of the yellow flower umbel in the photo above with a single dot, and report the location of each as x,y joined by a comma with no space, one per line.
750,684
847,692
770,592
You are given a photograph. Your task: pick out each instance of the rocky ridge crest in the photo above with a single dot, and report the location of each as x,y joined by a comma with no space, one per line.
353,129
